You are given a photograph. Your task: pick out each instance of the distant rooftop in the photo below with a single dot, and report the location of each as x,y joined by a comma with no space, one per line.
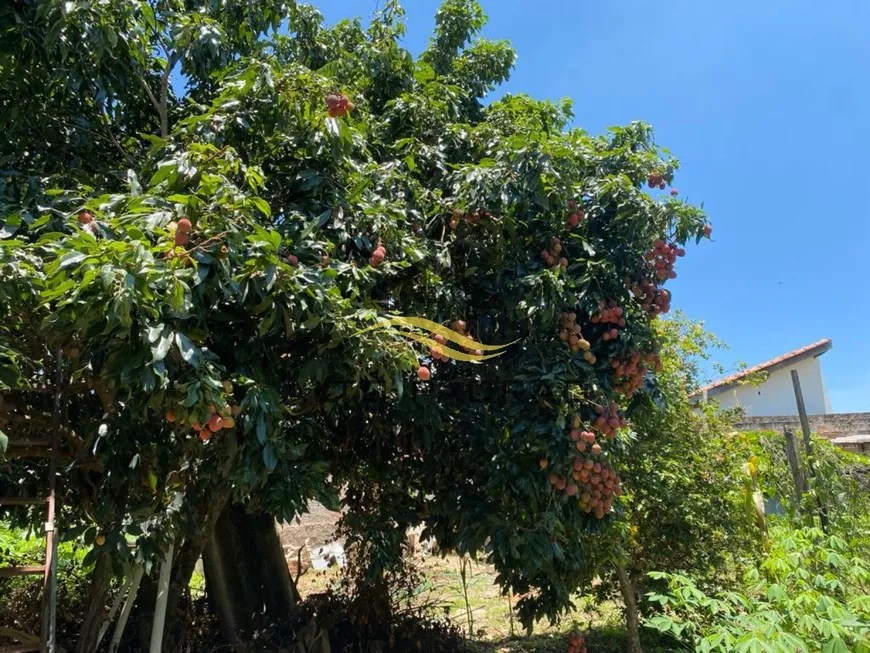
810,351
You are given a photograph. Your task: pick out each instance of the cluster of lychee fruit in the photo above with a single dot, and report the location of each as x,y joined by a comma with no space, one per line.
87,221
584,439
656,180
609,313
338,105
593,484
576,643
653,299
550,258
218,418
629,373
459,326
572,334
664,256
472,217
438,353
599,484
378,256
609,419
575,215
182,232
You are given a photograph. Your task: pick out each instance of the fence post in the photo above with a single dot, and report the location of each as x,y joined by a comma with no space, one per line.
808,445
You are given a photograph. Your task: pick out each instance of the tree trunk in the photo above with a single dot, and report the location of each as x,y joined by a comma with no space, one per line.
247,575
629,597
185,563
95,611
188,552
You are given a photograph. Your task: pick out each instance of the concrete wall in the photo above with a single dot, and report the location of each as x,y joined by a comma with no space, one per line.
776,395
828,426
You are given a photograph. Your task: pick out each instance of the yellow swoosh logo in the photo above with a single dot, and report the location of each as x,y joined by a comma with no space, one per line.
438,329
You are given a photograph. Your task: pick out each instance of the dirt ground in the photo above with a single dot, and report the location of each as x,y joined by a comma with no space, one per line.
488,617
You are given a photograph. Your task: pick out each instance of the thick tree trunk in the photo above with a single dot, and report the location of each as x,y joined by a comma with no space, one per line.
629,597
95,611
247,575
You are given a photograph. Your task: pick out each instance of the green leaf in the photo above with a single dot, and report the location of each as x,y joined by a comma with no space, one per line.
4,442
261,430
10,226
262,206
70,258
164,343
189,352
154,332
269,458
133,182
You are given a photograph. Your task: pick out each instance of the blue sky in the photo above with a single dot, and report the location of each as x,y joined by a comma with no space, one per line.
767,105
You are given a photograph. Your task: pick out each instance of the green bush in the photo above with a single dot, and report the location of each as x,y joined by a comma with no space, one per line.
812,593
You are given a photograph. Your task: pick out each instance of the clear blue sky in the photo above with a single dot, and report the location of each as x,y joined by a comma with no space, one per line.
767,105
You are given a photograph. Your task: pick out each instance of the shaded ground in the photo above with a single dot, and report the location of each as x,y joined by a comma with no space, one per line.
488,617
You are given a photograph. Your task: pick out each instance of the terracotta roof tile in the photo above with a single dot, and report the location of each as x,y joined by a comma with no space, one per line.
824,342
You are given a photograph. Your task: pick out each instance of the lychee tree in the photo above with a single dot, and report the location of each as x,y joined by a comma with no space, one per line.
210,263
681,465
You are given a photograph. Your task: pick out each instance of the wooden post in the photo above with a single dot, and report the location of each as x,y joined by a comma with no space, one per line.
794,462
128,606
49,585
808,443
162,597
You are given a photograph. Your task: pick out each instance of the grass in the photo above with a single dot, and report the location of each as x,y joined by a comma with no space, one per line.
488,620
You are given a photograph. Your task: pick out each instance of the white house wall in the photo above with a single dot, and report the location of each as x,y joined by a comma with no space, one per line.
776,395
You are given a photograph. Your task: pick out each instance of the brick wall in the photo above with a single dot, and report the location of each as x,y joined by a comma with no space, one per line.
828,426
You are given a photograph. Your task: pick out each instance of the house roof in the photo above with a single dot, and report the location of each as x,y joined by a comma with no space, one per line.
792,357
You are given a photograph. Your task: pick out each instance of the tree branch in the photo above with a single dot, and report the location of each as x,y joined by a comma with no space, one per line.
164,92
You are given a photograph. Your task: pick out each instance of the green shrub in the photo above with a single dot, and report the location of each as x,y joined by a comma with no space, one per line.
812,593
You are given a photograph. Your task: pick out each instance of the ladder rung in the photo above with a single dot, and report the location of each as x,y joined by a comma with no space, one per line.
9,572
22,501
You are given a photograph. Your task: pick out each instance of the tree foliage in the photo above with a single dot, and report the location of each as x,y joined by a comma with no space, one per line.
209,254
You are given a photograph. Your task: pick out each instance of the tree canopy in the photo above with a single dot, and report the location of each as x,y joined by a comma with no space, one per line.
209,263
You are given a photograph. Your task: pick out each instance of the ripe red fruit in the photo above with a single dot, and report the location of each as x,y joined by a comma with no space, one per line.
180,238
571,490
215,423
596,449
574,219
543,462
423,373
453,223
184,225
458,326
553,479
170,415
293,260
440,339
674,192
708,229
85,217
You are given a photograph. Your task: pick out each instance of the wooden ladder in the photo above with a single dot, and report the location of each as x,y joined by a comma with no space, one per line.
46,642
